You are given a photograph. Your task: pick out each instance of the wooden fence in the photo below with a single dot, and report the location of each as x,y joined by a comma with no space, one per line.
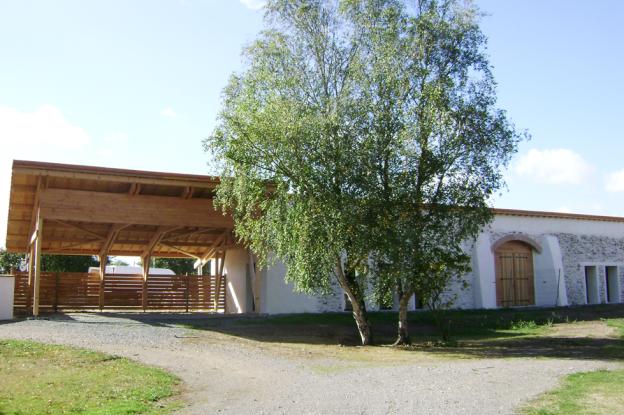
81,290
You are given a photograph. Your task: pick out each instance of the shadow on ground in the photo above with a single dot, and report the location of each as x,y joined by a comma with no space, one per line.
475,333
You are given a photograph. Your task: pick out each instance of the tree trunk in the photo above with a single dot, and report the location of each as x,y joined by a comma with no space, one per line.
403,333
357,302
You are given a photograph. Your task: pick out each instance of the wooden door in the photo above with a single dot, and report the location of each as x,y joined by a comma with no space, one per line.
514,275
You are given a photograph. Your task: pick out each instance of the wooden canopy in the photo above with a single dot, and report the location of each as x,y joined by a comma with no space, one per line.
100,211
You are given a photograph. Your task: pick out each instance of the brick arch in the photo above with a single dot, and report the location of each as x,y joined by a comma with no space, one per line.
520,237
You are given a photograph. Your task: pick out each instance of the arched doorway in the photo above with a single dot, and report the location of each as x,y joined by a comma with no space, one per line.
514,274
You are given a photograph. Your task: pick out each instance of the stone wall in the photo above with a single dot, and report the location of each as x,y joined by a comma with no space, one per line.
579,251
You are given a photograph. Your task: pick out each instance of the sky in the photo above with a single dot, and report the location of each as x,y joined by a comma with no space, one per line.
137,84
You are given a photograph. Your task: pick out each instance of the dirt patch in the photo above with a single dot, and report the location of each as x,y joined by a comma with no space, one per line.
583,329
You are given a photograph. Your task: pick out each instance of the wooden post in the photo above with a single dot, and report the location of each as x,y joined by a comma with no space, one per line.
186,292
219,264
146,264
57,278
31,276
37,282
103,259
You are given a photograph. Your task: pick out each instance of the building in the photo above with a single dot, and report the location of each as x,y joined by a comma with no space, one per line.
523,258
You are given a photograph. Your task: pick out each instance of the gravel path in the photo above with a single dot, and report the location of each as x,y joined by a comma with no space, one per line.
223,375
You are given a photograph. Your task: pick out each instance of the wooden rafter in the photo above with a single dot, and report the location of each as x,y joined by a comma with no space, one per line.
135,189
182,251
187,193
41,184
113,233
219,276
156,238
204,258
199,231
80,228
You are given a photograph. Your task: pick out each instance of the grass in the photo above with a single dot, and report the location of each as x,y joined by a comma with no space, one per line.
49,379
527,332
597,393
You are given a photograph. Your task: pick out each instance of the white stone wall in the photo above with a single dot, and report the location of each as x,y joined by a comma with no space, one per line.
567,246
579,251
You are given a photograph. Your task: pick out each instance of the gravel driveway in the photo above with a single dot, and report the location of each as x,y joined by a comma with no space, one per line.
224,375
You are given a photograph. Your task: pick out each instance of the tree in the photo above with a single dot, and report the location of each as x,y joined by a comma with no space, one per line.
352,121
68,263
50,263
9,261
447,143
180,266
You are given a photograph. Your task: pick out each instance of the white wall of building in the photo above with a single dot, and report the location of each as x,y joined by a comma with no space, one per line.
236,290
280,297
7,289
565,246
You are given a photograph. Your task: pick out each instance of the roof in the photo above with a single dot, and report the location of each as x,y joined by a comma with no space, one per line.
556,215
84,208
89,210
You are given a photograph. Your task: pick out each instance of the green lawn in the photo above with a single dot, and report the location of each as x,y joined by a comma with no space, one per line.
38,378
596,393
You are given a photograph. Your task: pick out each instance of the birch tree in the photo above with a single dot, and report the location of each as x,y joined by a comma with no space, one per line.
355,131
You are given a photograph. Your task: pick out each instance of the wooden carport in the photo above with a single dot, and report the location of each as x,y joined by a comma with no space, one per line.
86,210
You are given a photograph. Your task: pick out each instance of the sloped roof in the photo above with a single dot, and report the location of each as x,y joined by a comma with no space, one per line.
84,207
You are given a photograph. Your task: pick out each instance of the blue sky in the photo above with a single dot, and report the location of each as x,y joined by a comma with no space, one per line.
136,84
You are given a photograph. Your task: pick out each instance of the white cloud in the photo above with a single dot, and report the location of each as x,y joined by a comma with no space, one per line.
253,4
615,181
43,134
553,166
168,112
46,125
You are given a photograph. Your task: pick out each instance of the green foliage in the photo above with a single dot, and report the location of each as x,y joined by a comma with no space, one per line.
46,379
180,266
68,263
365,130
51,263
9,261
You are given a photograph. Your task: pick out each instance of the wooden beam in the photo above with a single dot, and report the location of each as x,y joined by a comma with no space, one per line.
158,235
114,175
135,189
113,233
187,193
145,262
31,275
86,206
182,251
35,208
219,269
80,228
103,259
33,237
37,281
204,258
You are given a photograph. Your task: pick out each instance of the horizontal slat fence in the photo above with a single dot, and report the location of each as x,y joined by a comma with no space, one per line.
77,290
